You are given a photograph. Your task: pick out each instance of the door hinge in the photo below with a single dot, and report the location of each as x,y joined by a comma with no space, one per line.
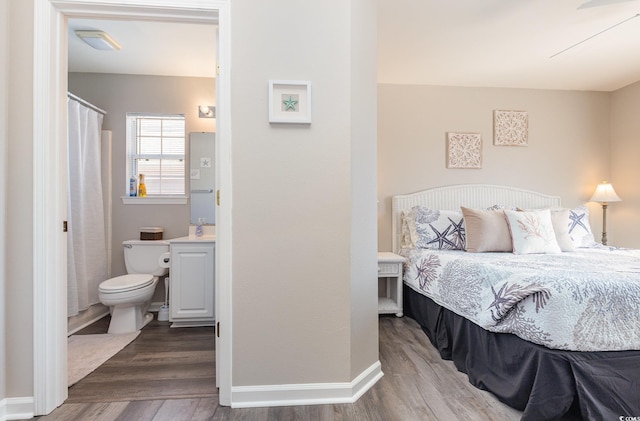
64,226
217,69
218,197
218,329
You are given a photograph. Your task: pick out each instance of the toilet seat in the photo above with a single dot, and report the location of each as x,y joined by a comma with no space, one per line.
126,283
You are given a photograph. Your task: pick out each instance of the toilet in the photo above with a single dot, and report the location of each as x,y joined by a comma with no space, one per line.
129,296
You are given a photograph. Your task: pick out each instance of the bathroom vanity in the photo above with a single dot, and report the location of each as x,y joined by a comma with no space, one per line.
192,281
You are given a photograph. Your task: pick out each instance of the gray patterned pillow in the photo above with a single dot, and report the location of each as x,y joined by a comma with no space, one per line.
436,229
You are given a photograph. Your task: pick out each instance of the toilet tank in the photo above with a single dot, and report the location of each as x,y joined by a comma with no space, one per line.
143,256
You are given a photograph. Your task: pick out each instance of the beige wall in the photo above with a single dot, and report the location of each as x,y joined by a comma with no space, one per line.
625,171
293,189
4,101
119,94
364,298
19,209
568,152
295,193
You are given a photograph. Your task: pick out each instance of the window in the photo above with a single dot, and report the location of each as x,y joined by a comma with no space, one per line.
155,148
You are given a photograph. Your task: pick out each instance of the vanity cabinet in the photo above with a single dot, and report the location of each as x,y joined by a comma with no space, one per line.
192,285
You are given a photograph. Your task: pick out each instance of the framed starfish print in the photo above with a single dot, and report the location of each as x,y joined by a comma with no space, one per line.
289,101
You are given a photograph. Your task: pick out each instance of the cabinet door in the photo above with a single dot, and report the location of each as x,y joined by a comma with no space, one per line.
192,283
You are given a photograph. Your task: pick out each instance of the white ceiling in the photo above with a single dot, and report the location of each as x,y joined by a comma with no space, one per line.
148,48
487,43
508,43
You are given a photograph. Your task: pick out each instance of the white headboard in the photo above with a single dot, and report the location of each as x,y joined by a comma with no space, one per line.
479,196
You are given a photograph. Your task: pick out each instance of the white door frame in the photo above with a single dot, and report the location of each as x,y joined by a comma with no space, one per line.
50,168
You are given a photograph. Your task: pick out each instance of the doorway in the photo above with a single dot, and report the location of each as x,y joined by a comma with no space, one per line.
133,79
50,192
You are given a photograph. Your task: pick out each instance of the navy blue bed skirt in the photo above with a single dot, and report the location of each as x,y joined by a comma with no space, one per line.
546,384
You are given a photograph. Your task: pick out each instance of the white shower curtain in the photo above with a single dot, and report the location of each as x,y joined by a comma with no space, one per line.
86,249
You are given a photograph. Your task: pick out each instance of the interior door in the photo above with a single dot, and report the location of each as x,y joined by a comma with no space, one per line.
216,205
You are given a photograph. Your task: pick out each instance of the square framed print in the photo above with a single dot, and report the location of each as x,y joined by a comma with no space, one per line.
289,101
510,128
464,150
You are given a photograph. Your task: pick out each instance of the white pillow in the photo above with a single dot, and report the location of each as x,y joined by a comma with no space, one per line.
579,227
532,232
560,221
436,229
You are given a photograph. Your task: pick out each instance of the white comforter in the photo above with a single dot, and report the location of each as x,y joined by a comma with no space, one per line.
587,300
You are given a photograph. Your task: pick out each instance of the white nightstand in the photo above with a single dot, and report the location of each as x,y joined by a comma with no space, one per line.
390,268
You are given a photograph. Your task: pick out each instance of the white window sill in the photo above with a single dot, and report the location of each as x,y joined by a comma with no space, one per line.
154,200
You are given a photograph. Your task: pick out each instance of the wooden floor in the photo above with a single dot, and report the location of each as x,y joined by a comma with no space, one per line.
168,374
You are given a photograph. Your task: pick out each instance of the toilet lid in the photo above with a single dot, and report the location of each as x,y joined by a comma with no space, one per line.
126,283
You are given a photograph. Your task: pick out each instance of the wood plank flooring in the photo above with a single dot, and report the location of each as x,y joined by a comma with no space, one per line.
161,363
168,374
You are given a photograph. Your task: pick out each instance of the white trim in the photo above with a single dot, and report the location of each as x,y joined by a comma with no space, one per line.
102,313
16,409
49,210
154,200
306,394
194,11
49,162
4,178
224,226
154,307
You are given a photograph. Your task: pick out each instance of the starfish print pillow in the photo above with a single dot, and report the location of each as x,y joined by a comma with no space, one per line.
436,229
579,227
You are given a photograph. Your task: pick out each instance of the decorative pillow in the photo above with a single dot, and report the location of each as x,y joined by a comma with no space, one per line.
436,229
560,221
486,231
579,227
532,231
501,207
405,235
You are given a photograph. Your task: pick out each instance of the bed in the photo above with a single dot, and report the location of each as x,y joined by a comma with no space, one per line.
551,326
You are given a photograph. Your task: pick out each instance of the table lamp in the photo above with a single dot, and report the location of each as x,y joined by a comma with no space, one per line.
604,194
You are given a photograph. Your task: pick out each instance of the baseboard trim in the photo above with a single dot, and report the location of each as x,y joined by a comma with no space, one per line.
306,394
16,409
154,307
100,313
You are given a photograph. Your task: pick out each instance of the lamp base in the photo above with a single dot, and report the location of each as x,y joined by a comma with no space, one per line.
604,223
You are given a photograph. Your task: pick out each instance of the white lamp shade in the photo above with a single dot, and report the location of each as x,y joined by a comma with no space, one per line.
605,193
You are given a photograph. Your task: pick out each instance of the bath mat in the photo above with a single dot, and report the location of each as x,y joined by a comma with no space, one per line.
88,352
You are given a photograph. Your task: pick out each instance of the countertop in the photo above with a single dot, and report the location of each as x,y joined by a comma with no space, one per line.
193,238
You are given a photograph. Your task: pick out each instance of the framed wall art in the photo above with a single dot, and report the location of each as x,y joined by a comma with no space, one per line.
464,150
289,101
510,128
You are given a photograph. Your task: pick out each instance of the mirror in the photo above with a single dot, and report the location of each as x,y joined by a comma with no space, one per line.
202,177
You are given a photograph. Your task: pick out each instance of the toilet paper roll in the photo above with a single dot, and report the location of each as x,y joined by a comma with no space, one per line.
164,259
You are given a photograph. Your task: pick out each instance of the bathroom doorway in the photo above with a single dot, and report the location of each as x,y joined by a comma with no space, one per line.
133,78
49,350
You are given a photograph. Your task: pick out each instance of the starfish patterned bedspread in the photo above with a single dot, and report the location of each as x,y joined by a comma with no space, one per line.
587,300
